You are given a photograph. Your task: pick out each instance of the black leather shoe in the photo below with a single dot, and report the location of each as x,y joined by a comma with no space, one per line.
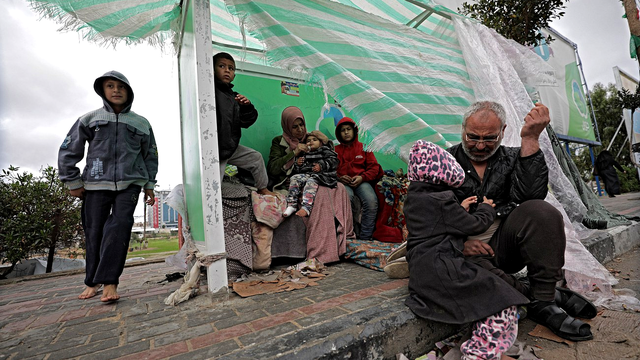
558,321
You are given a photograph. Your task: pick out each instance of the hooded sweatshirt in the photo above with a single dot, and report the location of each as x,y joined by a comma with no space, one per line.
122,148
354,160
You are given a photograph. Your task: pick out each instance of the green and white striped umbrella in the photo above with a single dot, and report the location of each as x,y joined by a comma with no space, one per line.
399,83
112,21
228,35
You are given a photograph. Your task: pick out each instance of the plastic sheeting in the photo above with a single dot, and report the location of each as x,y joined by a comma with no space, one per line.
176,201
594,209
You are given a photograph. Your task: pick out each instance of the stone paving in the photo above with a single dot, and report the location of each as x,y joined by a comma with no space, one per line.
43,319
353,313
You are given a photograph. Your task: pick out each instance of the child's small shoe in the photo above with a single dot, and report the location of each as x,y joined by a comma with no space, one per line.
290,210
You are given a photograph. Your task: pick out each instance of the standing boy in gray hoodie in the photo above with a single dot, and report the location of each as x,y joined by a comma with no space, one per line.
121,160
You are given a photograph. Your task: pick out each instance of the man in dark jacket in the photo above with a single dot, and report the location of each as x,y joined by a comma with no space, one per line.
528,231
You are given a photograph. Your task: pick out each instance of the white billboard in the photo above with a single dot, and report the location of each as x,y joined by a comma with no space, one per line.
626,81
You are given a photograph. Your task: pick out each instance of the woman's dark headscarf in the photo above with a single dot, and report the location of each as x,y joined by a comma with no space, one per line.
604,160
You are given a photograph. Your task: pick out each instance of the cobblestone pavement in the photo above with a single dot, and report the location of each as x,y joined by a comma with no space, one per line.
353,313
43,319
616,334
625,204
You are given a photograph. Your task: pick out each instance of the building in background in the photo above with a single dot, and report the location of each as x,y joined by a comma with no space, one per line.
160,215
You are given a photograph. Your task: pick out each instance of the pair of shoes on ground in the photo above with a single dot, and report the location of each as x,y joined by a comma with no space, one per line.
397,266
560,315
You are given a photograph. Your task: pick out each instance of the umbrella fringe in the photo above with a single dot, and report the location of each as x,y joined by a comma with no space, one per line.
70,22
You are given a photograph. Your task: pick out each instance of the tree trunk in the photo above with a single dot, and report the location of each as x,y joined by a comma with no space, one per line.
57,219
52,253
632,19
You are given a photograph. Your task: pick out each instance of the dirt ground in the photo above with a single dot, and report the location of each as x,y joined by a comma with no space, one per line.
616,333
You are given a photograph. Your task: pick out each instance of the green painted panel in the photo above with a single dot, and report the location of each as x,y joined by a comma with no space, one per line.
267,96
579,119
191,130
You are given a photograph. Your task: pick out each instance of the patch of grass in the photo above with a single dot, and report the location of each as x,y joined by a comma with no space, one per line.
156,245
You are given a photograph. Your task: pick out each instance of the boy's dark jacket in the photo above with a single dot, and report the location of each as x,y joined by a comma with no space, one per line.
122,149
328,161
231,119
354,161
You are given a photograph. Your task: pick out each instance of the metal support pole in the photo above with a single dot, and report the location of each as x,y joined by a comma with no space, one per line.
615,134
622,147
201,165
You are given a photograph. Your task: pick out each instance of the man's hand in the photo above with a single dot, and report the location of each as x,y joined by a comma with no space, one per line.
534,124
149,197
242,100
468,201
79,193
316,167
476,247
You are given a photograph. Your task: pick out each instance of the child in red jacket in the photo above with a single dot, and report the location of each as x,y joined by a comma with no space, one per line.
358,171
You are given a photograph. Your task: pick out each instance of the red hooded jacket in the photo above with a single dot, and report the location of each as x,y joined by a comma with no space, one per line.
354,161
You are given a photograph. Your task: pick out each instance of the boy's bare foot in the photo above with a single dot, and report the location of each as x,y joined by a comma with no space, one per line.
302,213
89,292
266,191
110,293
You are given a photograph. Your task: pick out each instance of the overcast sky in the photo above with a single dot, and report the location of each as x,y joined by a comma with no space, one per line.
46,79
602,36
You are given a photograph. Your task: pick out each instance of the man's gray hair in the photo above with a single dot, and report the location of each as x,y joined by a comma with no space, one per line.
484,106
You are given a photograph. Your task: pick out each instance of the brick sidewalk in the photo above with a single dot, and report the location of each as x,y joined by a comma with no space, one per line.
354,313
44,319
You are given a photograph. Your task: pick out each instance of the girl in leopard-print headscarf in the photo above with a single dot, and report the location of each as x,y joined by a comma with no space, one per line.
443,285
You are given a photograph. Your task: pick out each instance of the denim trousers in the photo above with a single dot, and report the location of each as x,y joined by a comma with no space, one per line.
107,219
367,195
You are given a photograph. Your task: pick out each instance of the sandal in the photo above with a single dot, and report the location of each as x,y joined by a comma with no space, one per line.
575,304
398,252
397,269
560,323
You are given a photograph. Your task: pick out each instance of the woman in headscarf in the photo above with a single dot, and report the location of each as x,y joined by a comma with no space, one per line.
323,234
285,147
606,167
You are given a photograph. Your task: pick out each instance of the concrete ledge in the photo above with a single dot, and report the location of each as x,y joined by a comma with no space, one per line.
74,271
605,245
377,332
